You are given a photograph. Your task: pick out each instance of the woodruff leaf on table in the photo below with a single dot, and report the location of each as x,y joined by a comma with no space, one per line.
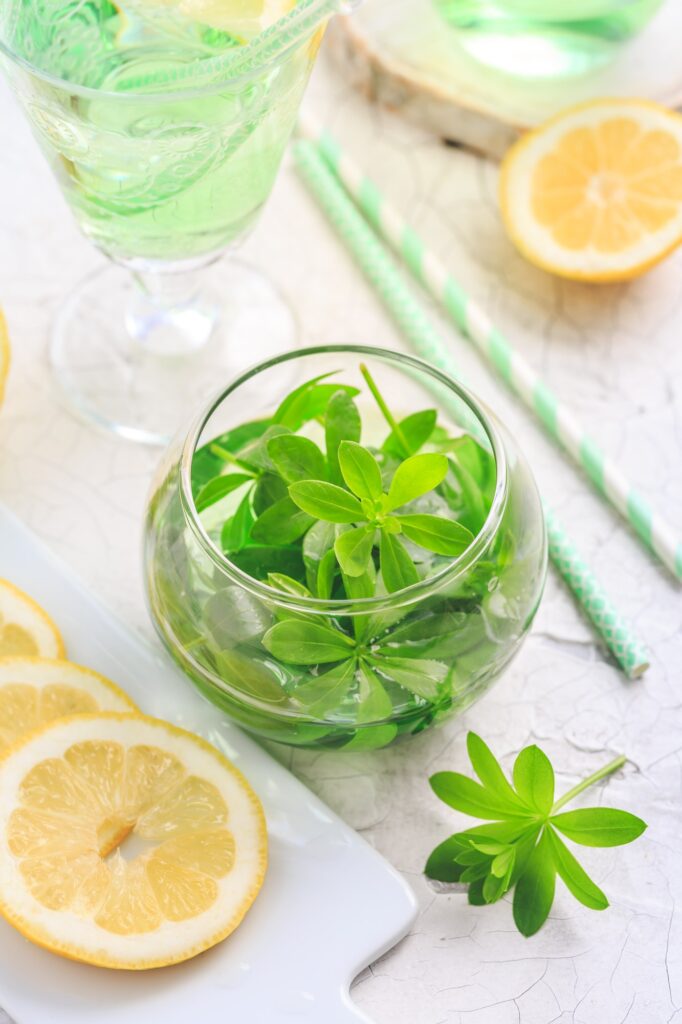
442,864
599,826
488,769
534,779
519,848
534,891
469,797
574,876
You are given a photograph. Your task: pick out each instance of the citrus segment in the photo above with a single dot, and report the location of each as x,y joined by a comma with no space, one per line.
596,193
37,690
25,629
243,19
126,842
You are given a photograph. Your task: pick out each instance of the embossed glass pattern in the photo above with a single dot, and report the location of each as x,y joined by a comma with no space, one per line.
163,182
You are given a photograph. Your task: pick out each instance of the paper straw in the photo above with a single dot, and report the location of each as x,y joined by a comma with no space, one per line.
265,48
409,315
557,419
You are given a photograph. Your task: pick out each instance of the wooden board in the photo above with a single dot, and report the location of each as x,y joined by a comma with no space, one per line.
401,54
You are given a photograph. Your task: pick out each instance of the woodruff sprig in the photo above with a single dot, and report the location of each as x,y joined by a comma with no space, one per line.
368,510
520,847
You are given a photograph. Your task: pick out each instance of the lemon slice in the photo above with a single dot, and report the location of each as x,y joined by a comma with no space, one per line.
4,354
596,193
187,862
37,690
242,18
25,629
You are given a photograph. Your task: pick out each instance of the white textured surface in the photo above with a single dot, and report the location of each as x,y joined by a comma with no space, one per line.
615,353
315,860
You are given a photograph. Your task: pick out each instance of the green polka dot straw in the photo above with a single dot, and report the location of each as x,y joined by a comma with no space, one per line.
273,43
556,418
408,313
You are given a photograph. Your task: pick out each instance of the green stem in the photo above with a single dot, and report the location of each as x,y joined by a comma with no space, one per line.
608,769
191,644
386,412
227,456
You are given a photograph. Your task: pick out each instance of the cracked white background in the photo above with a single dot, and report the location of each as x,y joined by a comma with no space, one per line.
615,353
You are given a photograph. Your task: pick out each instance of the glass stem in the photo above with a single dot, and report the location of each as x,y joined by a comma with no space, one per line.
608,769
170,315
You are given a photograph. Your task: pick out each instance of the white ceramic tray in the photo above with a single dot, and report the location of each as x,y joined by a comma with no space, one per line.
330,904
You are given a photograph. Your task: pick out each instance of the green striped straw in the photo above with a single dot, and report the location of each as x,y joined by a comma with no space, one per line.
558,420
267,47
410,316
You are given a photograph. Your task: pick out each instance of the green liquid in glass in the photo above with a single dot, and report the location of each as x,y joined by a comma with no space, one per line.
151,177
545,38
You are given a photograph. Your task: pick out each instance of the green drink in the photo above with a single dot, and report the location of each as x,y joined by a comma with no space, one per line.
545,38
165,122
155,178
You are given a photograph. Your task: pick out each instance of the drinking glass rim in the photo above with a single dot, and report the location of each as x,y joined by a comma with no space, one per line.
90,93
346,606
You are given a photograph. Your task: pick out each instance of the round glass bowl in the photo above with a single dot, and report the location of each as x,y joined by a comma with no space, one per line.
414,657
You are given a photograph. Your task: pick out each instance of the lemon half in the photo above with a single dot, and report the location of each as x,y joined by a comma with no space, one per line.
595,194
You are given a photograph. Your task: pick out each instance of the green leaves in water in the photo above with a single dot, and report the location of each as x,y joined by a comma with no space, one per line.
286,483
326,501
218,488
307,643
296,458
358,665
341,423
373,513
520,848
308,402
410,434
297,501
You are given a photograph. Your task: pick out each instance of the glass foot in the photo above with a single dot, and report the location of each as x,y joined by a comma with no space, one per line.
139,363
